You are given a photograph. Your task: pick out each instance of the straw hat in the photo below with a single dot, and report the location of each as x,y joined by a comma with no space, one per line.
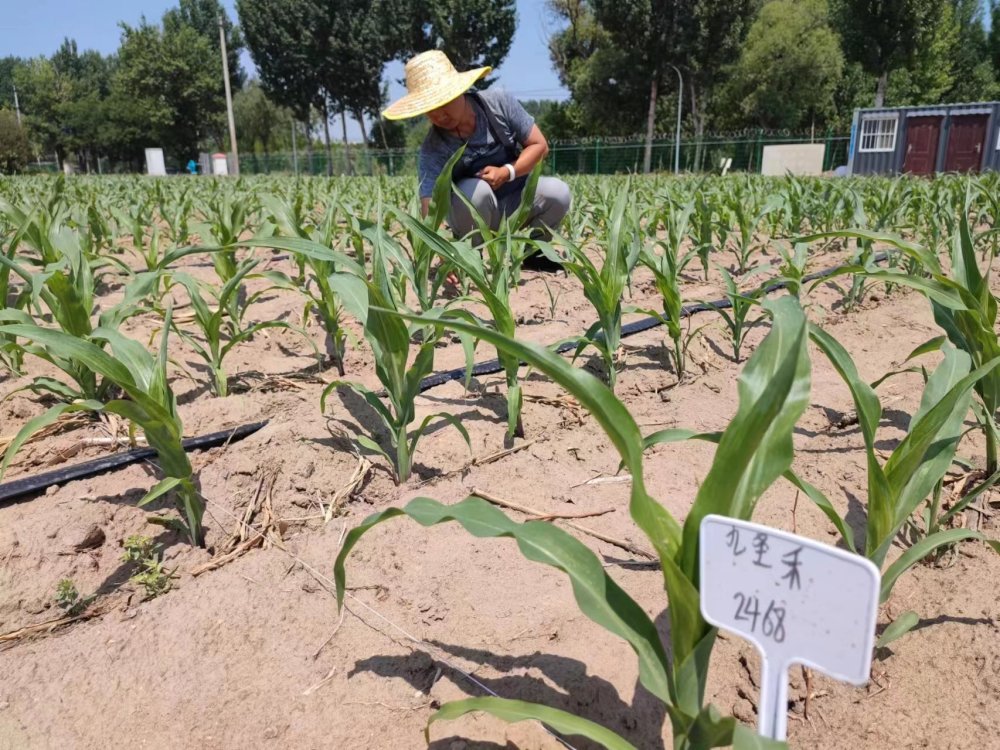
431,81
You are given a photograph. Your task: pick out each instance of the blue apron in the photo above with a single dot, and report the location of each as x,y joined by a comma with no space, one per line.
501,151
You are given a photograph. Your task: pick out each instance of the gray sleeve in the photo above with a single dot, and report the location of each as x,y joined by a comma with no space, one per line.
518,120
430,162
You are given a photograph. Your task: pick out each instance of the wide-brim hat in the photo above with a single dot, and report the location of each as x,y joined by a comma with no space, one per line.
431,81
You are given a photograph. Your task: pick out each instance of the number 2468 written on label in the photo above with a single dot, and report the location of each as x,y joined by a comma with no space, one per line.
771,619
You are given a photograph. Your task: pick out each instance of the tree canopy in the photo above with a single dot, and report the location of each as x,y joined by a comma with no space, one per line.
788,64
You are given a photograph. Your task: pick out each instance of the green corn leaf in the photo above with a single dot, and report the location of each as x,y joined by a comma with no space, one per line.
911,249
756,447
661,528
513,711
71,347
309,249
159,489
598,596
898,628
352,292
366,393
451,419
922,549
35,424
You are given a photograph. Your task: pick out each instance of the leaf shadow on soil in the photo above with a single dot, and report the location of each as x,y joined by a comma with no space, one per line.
448,743
566,685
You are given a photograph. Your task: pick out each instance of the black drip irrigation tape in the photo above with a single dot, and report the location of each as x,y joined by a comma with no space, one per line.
492,366
31,485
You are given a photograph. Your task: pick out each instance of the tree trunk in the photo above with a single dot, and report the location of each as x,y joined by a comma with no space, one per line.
699,128
309,144
883,83
360,117
326,138
647,156
343,132
385,145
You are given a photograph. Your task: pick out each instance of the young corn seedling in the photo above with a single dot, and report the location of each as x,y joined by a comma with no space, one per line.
64,287
417,264
738,319
964,307
150,406
316,270
228,218
667,268
916,467
743,219
494,286
793,267
605,287
374,306
703,227
213,323
14,301
753,452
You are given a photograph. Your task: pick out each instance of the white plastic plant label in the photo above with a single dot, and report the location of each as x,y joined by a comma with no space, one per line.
798,601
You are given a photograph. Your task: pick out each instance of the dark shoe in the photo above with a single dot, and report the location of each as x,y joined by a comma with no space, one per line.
540,262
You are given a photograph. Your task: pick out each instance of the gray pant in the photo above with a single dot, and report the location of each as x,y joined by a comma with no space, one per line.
552,202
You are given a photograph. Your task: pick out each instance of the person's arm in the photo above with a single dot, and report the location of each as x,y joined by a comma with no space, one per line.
535,148
425,206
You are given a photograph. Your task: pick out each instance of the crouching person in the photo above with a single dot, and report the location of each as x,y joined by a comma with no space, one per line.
502,146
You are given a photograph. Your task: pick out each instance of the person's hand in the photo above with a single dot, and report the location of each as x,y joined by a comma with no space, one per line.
494,176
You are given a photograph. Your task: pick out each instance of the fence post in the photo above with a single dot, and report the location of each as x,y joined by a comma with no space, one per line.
597,156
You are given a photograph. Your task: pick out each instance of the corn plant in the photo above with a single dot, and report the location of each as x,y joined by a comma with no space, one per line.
917,465
494,285
737,319
213,323
753,452
417,265
227,219
176,211
11,355
373,304
150,406
703,229
792,270
605,287
964,307
316,268
742,221
667,268
972,328
64,285
494,279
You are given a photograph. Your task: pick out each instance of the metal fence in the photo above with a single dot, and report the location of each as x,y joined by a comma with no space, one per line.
594,156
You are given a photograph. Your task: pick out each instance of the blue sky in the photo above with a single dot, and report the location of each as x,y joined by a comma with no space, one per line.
37,27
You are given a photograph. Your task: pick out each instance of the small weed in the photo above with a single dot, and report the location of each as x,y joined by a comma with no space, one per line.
67,597
151,575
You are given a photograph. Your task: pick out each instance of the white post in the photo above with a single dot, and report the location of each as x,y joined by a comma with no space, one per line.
229,98
677,132
295,150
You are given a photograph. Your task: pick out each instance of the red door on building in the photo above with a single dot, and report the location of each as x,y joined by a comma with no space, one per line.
922,135
966,141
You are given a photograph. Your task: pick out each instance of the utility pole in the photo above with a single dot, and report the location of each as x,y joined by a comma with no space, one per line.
295,150
229,97
17,107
